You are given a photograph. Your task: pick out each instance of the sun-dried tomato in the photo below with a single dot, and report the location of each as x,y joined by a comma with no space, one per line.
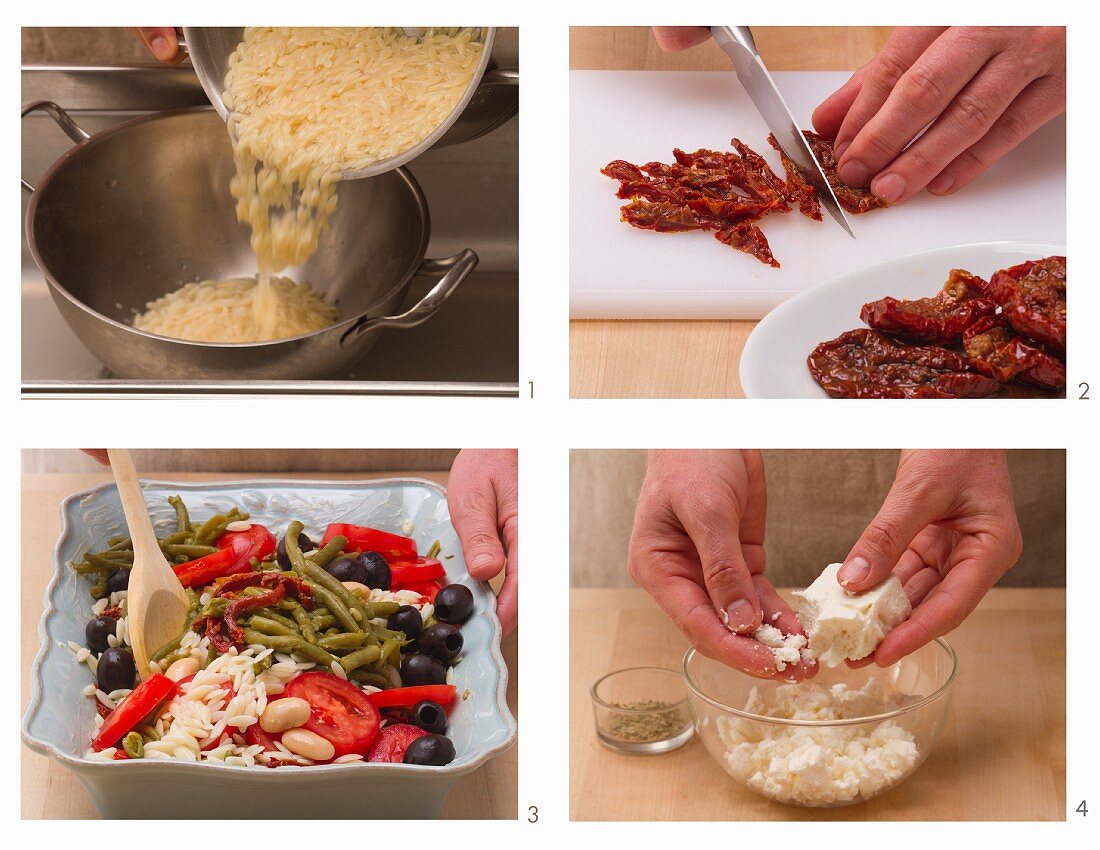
114,613
941,319
269,579
995,350
798,190
1033,298
716,191
853,199
864,363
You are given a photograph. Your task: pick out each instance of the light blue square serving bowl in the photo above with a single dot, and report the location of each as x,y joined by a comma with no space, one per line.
59,720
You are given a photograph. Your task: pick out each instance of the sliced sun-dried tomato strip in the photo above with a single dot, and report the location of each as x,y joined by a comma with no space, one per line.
864,363
995,350
853,199
798,191
749,238
1033,298
941,319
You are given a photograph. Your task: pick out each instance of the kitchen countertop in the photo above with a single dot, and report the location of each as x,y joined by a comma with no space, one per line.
1001,756
50,791
682,359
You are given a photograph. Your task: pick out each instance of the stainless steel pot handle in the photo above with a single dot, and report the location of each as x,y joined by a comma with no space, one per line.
64,121
454,270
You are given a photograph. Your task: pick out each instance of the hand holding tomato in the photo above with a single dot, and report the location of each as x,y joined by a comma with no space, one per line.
483,496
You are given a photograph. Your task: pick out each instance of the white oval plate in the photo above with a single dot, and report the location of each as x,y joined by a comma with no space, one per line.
773,364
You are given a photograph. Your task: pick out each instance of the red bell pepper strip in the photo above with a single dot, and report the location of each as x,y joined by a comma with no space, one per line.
392,547
408,697
139,704
410,572
237,549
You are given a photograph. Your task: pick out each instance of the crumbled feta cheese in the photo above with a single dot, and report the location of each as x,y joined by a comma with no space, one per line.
819,765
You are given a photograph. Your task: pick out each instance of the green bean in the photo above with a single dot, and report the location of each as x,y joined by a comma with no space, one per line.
270,627
391,652
282,643
88,569
314,573
107,563
207,530
167,649
344,640
327,553
215,607
323,622
133,745
183,521
382,633
148,732
99,590
342,614
301,617
369,677
433,550
381,609
278,618
334,631
116,542
360,658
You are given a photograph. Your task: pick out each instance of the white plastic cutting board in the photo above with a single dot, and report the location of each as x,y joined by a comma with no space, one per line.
619,272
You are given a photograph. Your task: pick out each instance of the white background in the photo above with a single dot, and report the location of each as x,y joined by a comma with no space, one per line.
547,426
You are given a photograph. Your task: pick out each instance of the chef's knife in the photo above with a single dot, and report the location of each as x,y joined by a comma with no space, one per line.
738,44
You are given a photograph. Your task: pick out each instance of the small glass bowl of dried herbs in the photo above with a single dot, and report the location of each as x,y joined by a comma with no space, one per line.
642,710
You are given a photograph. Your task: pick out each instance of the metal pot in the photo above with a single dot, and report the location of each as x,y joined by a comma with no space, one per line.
132,213
490,99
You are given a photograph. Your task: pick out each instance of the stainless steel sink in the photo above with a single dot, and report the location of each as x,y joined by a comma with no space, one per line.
470,348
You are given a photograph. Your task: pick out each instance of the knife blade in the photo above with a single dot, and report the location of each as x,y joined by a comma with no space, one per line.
738,44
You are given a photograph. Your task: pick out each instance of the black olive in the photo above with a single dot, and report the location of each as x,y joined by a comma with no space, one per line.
454,604
429,716
116,669
304,543
378,570
97,630
119,580
418,669
442,641
348,569
406,619
431,749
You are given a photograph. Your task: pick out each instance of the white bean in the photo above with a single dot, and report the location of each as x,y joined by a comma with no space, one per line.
283,714
182,668
302,742
356,587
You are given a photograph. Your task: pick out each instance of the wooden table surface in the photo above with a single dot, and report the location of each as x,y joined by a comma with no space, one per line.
50,791
1001,756
687,359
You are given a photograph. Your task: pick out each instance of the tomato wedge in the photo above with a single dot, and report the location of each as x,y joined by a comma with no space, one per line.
255,735
392,547
236,549
412,572
408,697
139,704
339,712
393,742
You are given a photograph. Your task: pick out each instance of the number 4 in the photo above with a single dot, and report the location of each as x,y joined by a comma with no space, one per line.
1082,809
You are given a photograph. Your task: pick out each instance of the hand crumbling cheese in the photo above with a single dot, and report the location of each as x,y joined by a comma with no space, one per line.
786,649
819,765
842,625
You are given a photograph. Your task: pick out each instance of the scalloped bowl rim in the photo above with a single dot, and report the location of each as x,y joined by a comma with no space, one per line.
284,774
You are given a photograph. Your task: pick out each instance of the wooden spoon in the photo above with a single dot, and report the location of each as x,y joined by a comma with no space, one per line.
156,606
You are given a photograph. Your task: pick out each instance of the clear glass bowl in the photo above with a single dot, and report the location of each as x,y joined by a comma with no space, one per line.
881,741
642,710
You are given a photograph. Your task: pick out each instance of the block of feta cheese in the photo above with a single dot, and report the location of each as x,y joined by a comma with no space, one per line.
842,625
